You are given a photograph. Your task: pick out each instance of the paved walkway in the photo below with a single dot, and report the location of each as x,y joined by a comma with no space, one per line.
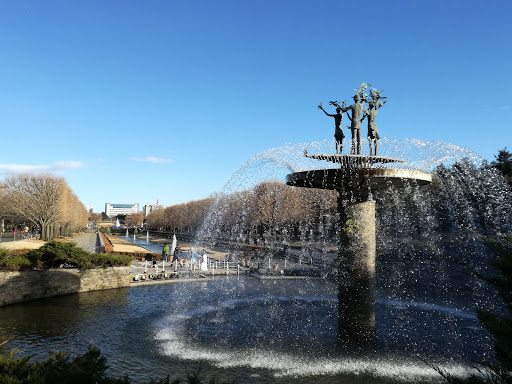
86,241
23,244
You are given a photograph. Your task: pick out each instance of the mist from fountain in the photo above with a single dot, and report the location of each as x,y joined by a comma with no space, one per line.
426,249
275,163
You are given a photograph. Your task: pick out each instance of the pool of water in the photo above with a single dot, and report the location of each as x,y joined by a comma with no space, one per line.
246,329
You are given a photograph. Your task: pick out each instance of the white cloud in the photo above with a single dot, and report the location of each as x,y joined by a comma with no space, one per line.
505,107
67,165
152,159
58,167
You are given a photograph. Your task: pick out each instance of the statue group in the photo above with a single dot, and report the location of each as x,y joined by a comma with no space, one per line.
357,112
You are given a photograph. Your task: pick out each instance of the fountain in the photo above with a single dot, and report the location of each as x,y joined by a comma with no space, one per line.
357,179
411,200
421,197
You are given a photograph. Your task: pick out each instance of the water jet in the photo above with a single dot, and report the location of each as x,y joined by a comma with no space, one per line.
356,180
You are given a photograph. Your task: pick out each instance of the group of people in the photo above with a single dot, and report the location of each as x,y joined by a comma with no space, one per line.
24,232
359,113
166,250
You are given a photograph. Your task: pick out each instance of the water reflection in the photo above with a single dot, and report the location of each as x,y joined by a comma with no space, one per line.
256,331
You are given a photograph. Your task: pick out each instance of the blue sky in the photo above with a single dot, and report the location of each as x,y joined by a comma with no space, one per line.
134,101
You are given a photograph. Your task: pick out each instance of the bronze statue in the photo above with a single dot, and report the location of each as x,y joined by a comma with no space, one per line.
358,109
338,129
373,132
375,95
355,126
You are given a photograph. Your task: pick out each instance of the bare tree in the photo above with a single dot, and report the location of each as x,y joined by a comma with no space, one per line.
37,198
95,218
135,219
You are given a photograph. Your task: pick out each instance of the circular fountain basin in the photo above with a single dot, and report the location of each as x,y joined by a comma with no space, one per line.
376,178
357,175
358,180
354,160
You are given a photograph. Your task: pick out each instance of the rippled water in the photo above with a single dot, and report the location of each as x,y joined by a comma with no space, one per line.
243,328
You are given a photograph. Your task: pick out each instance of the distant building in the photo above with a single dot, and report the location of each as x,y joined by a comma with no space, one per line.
148,208
89,208
112,210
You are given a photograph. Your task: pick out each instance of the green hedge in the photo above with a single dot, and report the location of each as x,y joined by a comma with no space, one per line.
55,254
89,368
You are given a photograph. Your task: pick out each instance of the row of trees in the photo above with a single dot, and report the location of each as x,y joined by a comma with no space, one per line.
462,196
42,201
272,208
183,218
276,210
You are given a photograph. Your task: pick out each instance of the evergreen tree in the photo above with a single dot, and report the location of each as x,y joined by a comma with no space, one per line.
498,324
503,163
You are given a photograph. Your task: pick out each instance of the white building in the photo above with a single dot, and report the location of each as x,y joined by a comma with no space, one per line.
112,210
89,208
148,208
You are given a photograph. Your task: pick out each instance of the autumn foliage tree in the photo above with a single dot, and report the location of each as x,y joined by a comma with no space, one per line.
46,201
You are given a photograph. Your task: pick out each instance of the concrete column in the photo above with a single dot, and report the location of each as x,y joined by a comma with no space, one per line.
356,270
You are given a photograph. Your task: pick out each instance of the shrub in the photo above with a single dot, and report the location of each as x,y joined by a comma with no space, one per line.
3,253
15,263
53,254
89,368
105,260
56,254
14,260
20,252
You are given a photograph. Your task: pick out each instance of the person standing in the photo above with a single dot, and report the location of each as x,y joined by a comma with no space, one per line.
165,252
176,254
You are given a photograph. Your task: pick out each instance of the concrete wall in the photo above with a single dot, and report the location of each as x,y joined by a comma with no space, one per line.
16,287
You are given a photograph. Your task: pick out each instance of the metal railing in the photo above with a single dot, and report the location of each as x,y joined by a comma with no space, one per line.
11,236
152,270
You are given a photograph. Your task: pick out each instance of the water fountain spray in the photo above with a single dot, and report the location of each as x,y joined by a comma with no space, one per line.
357,178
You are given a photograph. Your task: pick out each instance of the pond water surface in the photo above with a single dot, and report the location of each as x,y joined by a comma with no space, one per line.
246,329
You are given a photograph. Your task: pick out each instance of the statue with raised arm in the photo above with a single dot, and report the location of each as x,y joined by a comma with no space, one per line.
338,130
355,119
373,132
371,114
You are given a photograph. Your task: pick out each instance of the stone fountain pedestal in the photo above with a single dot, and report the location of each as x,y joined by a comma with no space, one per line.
357,180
